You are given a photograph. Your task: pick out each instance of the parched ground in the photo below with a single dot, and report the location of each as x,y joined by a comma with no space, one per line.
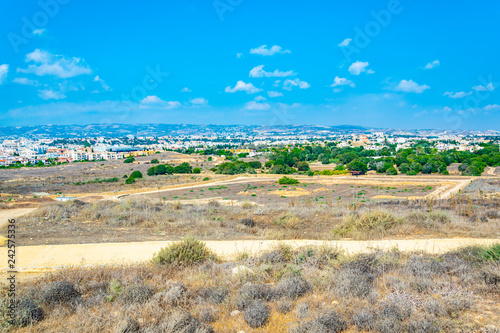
320,190
86,177
489,187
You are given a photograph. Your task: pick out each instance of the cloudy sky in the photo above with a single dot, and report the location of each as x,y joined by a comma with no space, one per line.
399,64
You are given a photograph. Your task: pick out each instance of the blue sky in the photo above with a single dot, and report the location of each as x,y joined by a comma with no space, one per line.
390,64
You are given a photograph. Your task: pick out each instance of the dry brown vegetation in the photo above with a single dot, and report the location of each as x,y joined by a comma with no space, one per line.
312,289
141,219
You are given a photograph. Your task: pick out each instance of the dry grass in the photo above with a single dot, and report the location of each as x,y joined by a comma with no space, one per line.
143,219
301,292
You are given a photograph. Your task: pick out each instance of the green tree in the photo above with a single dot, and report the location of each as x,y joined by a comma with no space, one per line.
136,174
303,166
183,168
357,165
391,171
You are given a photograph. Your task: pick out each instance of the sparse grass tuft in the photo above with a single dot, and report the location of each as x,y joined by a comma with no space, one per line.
373,223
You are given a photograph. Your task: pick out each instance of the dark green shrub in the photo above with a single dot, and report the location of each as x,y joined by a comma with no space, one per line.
136,174
288,181
188,251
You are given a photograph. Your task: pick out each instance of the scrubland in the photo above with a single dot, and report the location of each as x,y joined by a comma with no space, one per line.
142,219
186,288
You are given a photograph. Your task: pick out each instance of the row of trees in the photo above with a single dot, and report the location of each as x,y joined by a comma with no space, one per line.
167,169
421,158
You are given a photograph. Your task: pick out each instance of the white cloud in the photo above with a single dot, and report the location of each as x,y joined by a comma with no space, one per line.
38,32
239,55
492,107
260,98
242,86
340,81
25,81
258,71
409,86
359,67
57,65
50,94
432,64
345,42
199,101
185,89
489,87
274,94
264,51
4,69
101,81
277,83
153,101
288,84
460,94
253,105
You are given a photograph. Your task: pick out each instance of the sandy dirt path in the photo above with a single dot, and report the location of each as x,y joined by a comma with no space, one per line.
446,192
491,171
222,182
6,214
48,257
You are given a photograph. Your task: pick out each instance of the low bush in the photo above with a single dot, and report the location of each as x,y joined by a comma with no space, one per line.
292,288
186,252
182,322
328,322
281,253
288,181
256,314
28,312
248,222
213,295
354,281
127,326
60,292
250,292
136,294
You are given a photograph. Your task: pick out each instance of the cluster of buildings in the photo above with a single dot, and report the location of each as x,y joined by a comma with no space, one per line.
46,151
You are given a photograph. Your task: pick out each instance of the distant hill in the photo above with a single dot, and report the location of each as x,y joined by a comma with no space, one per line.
122,130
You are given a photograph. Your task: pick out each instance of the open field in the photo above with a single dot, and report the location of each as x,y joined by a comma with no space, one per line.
140,218
81,178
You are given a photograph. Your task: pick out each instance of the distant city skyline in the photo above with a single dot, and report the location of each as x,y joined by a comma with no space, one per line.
383,64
